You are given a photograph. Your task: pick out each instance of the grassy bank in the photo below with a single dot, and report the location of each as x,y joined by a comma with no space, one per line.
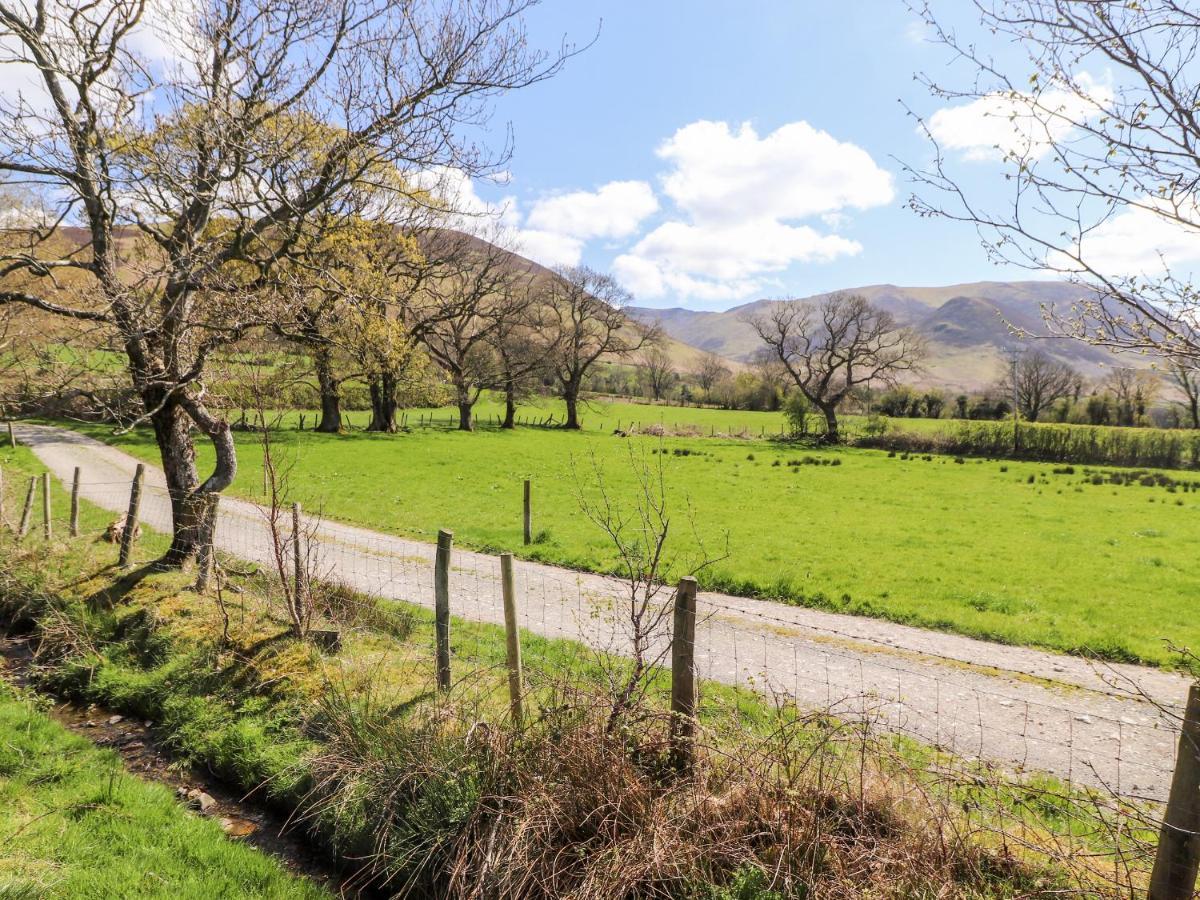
436,795
74,824
1017,552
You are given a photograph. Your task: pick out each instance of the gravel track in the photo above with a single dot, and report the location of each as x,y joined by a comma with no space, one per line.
1103,725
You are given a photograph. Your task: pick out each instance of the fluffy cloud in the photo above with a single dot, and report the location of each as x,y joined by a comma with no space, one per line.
1141,241
472,214
792,173
613,211
738,250
1017,124
742,197
549,248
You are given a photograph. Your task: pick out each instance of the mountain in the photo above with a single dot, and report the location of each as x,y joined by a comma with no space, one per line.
967,327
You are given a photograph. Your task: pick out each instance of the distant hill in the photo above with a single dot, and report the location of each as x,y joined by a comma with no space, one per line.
966,325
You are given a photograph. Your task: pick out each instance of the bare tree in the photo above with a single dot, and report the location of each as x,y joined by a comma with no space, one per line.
1182,373
830,347
525,349
660,370
460,313
709,371
638,525
188,181
1134,391
1085,158
1037,380
586,321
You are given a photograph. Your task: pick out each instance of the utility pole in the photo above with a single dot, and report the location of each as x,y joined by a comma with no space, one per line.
1013,355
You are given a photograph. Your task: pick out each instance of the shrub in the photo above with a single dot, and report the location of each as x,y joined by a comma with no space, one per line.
1076,444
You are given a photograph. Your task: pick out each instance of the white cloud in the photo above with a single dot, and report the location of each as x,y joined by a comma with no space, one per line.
739,250
549,248
792,173
614,210
1142,241
1018,124
471,213
742,198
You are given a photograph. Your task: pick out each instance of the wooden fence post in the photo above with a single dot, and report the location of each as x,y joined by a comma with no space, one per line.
12,438
1178,857
683,676
528,514
297,557
131,516
516,687
27,512
75,479
206,557
47,527
441,607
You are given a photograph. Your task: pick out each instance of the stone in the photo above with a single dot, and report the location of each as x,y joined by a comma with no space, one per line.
115,720
204,801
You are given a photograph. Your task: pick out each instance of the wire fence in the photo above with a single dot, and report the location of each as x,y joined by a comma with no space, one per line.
1102,735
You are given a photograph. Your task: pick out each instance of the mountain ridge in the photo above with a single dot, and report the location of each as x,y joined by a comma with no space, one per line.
968,327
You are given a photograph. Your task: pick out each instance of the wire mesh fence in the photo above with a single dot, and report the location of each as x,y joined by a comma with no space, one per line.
1101,748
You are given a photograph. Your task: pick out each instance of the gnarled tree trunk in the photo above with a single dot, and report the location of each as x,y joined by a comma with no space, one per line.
832,435
192,506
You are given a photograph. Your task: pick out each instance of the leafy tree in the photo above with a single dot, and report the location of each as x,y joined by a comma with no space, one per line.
190,183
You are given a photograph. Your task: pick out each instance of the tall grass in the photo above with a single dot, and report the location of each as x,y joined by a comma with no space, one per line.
1083,444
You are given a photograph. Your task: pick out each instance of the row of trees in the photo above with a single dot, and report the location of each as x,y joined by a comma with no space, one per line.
173,204
484,317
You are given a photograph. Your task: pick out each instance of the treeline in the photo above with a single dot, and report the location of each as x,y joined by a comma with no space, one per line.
1084,444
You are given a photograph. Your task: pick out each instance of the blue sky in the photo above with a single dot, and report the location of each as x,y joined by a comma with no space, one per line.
755,149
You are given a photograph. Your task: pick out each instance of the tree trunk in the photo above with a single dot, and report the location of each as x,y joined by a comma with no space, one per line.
831,425
465,405
383,403
1194,409
510,404
192,506
571,396
331,395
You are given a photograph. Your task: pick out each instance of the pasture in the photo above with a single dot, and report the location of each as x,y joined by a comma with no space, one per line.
1059,557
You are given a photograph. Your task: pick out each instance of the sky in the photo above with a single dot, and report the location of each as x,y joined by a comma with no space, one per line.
711,153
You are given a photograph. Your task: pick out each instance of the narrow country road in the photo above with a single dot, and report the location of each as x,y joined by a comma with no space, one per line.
1110,726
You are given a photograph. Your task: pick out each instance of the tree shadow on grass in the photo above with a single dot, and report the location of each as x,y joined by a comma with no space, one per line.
121,586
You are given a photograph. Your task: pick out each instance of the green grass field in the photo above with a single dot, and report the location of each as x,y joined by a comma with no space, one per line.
602,414
1007,551
250,708
74,825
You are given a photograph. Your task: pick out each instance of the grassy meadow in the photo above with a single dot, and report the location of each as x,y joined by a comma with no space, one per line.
1016,552
360,744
